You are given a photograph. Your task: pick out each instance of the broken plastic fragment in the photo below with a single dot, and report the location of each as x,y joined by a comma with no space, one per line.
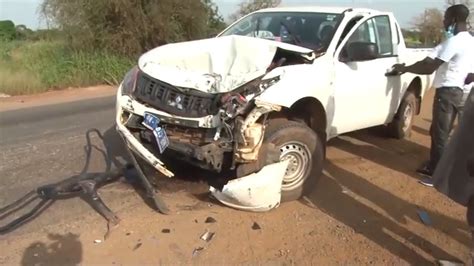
207,236
257,192
197,250
424,217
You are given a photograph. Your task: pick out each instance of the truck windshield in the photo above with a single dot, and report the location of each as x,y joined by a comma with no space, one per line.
310,30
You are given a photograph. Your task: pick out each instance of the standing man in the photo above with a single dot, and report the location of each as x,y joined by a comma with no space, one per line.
454,175
452,60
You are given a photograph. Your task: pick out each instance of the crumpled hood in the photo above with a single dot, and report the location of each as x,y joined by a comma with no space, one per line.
214,65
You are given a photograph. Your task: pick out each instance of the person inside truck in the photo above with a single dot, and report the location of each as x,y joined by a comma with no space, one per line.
452,60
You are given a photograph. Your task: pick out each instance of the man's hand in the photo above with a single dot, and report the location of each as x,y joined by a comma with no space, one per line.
469,78
401,68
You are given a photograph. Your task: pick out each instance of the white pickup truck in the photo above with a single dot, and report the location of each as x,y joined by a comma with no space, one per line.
275,85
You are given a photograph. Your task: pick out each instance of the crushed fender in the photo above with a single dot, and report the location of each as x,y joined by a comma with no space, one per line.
257,192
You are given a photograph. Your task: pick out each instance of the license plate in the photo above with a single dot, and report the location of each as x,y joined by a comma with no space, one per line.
161,138
151,122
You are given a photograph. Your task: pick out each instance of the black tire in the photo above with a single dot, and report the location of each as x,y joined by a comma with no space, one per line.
302,139
402,123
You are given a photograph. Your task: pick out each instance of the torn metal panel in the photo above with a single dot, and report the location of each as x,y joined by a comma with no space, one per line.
252,132
257,192
215,65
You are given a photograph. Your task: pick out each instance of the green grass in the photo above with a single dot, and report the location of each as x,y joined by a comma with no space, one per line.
30,67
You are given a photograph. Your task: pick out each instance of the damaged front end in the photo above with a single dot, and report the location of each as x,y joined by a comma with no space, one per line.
170,106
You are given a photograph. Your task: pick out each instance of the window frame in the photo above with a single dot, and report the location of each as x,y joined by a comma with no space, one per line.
360,23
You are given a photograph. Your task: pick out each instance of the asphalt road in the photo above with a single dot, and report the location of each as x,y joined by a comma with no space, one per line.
46,144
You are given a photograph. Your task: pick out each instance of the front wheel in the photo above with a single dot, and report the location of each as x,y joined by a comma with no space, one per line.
303,148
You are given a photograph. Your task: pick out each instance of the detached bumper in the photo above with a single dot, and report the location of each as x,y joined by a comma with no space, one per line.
134,144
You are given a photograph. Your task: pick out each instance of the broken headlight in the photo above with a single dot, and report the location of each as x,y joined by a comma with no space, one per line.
129,81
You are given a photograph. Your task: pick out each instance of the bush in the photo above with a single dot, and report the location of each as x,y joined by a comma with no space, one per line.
7,30
28,67
130,27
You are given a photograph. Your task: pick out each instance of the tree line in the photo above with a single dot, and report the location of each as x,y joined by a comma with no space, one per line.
427,27
130,27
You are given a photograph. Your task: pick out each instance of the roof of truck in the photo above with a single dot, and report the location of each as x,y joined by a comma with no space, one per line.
318,9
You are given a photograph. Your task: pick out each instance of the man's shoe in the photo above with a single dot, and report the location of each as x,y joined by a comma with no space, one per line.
427,181
425,171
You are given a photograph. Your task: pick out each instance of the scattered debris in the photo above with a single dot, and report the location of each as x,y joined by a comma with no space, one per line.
207,236
137,246
128,233
256,226
195,220
166,231
97,241
210,220
35,255
424,217
449,263
197,250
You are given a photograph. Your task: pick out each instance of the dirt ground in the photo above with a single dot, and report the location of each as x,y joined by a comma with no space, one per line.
363,212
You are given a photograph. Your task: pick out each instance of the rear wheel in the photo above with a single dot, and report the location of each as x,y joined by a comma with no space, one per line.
303,148
402,123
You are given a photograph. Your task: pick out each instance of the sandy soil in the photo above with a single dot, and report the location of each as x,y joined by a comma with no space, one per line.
363,212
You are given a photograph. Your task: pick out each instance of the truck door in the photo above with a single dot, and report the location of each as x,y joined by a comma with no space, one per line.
361,88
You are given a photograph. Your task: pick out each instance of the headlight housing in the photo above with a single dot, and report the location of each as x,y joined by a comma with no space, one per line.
130,81
265,84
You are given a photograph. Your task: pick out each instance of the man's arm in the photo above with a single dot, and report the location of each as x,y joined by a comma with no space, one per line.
426,66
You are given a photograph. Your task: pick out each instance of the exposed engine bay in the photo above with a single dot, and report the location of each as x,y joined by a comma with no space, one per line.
199,102
235,132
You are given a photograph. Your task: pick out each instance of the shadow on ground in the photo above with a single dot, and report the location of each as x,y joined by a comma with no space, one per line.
338,197
63,250
403,156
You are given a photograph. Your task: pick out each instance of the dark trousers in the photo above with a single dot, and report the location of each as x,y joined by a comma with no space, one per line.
448,103
470,222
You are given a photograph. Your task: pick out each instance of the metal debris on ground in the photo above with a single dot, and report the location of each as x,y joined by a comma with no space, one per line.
137,246
256,226
210,220
207,236
166,231
424,217
97,241
84,185
197,250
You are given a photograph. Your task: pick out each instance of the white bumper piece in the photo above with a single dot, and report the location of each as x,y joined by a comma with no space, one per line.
258,192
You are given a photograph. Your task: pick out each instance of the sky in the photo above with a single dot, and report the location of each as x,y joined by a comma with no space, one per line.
26,11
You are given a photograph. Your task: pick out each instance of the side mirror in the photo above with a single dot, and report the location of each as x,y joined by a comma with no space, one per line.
362,51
